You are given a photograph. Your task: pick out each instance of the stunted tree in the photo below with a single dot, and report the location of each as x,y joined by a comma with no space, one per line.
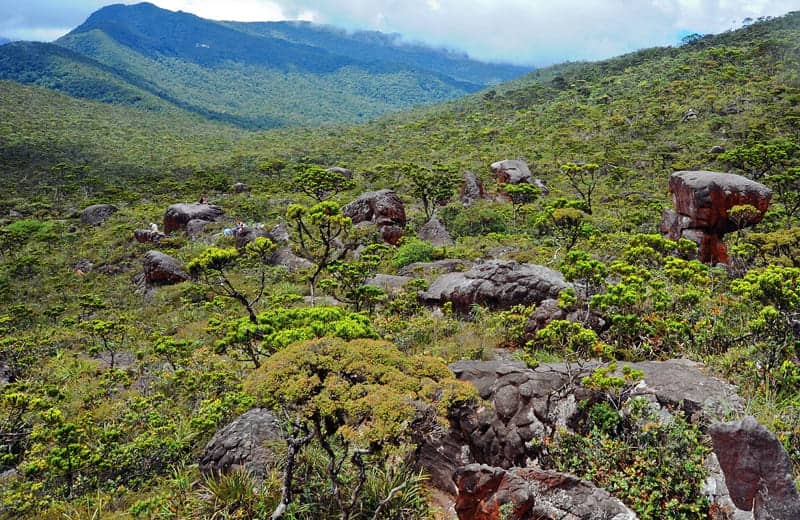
521,194
321,183
348,281
212,267
761,159
363,403
318,232
432,185
584,179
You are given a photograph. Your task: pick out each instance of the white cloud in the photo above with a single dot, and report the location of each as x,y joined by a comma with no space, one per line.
534,32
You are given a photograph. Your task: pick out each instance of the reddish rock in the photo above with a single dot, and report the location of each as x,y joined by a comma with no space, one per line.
382,208
162,269
484,491
705,197
178,215
148,235
758,471
702,200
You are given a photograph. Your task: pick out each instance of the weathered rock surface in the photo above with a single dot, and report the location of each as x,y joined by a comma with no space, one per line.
382,208
529,404
434,232
511,171
471,189
242,443
722,507
496,284
447,265
758,471
178,215
283,256
702,199
162,269
148,235
533,494
97,214
195,227
390,283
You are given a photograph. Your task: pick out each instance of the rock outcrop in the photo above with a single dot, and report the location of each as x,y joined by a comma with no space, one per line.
178,215
471,189
496,284
283,256
512,171
447,265
758,471
242,443
162,269
488,493
390,283
148,235
434,232
240,187
97,214
702,200
384,209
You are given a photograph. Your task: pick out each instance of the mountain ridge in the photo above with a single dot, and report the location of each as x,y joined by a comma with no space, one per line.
146,56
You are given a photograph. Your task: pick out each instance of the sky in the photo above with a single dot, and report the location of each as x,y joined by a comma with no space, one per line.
525,32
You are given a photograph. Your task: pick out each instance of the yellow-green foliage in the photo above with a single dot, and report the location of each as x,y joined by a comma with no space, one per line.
368,389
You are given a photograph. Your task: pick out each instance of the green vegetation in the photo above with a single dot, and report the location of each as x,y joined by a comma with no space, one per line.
110,393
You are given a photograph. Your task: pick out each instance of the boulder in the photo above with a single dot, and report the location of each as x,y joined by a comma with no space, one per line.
529,404
389,283
434,232
240,187
195,227
383,208
717,149
448,265
471,189
162,269
512,171
247,234
496,284
283,256
178,215
758,471
243,444
532,493
702,200
148,235
97,214
14,214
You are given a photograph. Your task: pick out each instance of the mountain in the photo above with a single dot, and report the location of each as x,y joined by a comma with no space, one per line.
249,75
4,40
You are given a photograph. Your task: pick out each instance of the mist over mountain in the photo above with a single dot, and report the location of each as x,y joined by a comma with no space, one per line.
252,75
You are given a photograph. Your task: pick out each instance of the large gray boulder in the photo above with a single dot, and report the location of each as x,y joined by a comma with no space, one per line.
529,404
532,493
434,232
511,171
161,269
97,214
758,471
496,284
284,257
243,443
178,215
447,265
383,208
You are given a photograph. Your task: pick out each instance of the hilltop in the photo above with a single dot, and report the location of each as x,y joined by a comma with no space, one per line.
247,75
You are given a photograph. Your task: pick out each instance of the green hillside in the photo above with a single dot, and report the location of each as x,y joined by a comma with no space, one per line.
239,74
110,390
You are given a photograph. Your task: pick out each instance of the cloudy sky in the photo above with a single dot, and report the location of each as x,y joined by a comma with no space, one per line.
528,32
